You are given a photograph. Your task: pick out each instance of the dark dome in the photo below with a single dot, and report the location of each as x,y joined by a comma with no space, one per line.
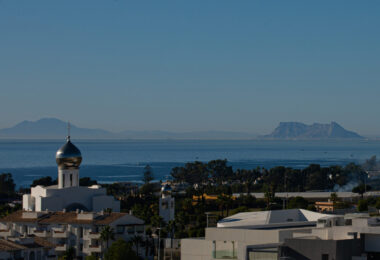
68,156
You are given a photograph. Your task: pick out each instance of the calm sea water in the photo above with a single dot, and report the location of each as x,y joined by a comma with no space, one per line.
111,161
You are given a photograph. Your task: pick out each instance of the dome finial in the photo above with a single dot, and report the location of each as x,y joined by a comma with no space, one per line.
68,130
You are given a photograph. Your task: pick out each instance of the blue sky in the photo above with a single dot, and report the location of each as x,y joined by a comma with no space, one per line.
191,65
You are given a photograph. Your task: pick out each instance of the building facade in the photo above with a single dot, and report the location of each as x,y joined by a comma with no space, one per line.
78,230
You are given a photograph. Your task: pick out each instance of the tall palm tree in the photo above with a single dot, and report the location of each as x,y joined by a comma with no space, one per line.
107,234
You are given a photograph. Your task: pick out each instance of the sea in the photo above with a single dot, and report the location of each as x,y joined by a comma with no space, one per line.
109,161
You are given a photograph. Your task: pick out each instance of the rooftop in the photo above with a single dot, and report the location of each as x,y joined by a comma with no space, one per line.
271,219
24,243
72,218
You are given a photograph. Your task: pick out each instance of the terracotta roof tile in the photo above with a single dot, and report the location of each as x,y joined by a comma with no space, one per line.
66,218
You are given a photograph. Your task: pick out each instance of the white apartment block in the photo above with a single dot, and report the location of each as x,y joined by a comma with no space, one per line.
79,230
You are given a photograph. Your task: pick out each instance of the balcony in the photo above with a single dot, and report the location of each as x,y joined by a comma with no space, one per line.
5,232
93,249
93,235
61,247
40,233
60,234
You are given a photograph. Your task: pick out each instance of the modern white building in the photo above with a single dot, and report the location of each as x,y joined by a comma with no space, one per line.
68,195
166,204
236,237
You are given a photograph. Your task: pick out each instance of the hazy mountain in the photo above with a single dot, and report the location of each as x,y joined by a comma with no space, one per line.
186,135
52,128
296,130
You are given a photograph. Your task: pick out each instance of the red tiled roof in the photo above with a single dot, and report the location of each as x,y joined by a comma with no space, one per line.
66,218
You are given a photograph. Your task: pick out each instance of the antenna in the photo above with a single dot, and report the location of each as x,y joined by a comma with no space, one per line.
68,130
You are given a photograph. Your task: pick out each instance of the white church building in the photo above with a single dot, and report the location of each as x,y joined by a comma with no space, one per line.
68,195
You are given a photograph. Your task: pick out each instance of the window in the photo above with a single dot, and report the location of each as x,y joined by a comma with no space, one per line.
71,180
325,256
63,180
140,229
131,230
120,229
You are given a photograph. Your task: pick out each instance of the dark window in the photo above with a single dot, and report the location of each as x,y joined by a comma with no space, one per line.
71,180
325,256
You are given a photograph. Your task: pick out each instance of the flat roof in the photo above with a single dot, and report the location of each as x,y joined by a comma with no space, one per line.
271,219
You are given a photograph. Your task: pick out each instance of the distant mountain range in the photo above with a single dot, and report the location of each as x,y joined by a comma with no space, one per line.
296,130
52,128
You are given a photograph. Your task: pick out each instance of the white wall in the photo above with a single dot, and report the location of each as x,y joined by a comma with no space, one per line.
196,249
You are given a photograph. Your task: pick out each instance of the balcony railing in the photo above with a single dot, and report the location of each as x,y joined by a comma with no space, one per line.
61,247
94,249
5,232
93,235
40,233
60,234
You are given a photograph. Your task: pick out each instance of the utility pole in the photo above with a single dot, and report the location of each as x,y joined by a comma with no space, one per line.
159,242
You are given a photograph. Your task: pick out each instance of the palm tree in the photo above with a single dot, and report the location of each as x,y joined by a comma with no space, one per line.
149,245
68,255
137,240
107,234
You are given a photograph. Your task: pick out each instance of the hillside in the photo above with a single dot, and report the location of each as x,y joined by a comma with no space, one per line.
52,128
296,130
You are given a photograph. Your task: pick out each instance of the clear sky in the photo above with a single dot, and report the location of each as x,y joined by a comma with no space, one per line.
191,65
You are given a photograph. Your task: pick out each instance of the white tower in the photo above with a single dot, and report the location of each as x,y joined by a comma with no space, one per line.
68,159
166,204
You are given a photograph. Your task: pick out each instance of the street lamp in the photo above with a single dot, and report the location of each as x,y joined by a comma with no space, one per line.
207,214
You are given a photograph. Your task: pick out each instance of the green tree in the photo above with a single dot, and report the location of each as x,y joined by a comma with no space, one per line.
120,250
107,234
69,254
91,257
361,189
148,174
377,205
362,205
87,181
7,184
269,195
334,197
298,203
157,221
44,181
137,241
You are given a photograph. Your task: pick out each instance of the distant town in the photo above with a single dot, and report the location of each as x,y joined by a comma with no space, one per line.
275,213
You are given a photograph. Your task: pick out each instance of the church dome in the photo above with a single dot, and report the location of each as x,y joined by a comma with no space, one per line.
68,156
